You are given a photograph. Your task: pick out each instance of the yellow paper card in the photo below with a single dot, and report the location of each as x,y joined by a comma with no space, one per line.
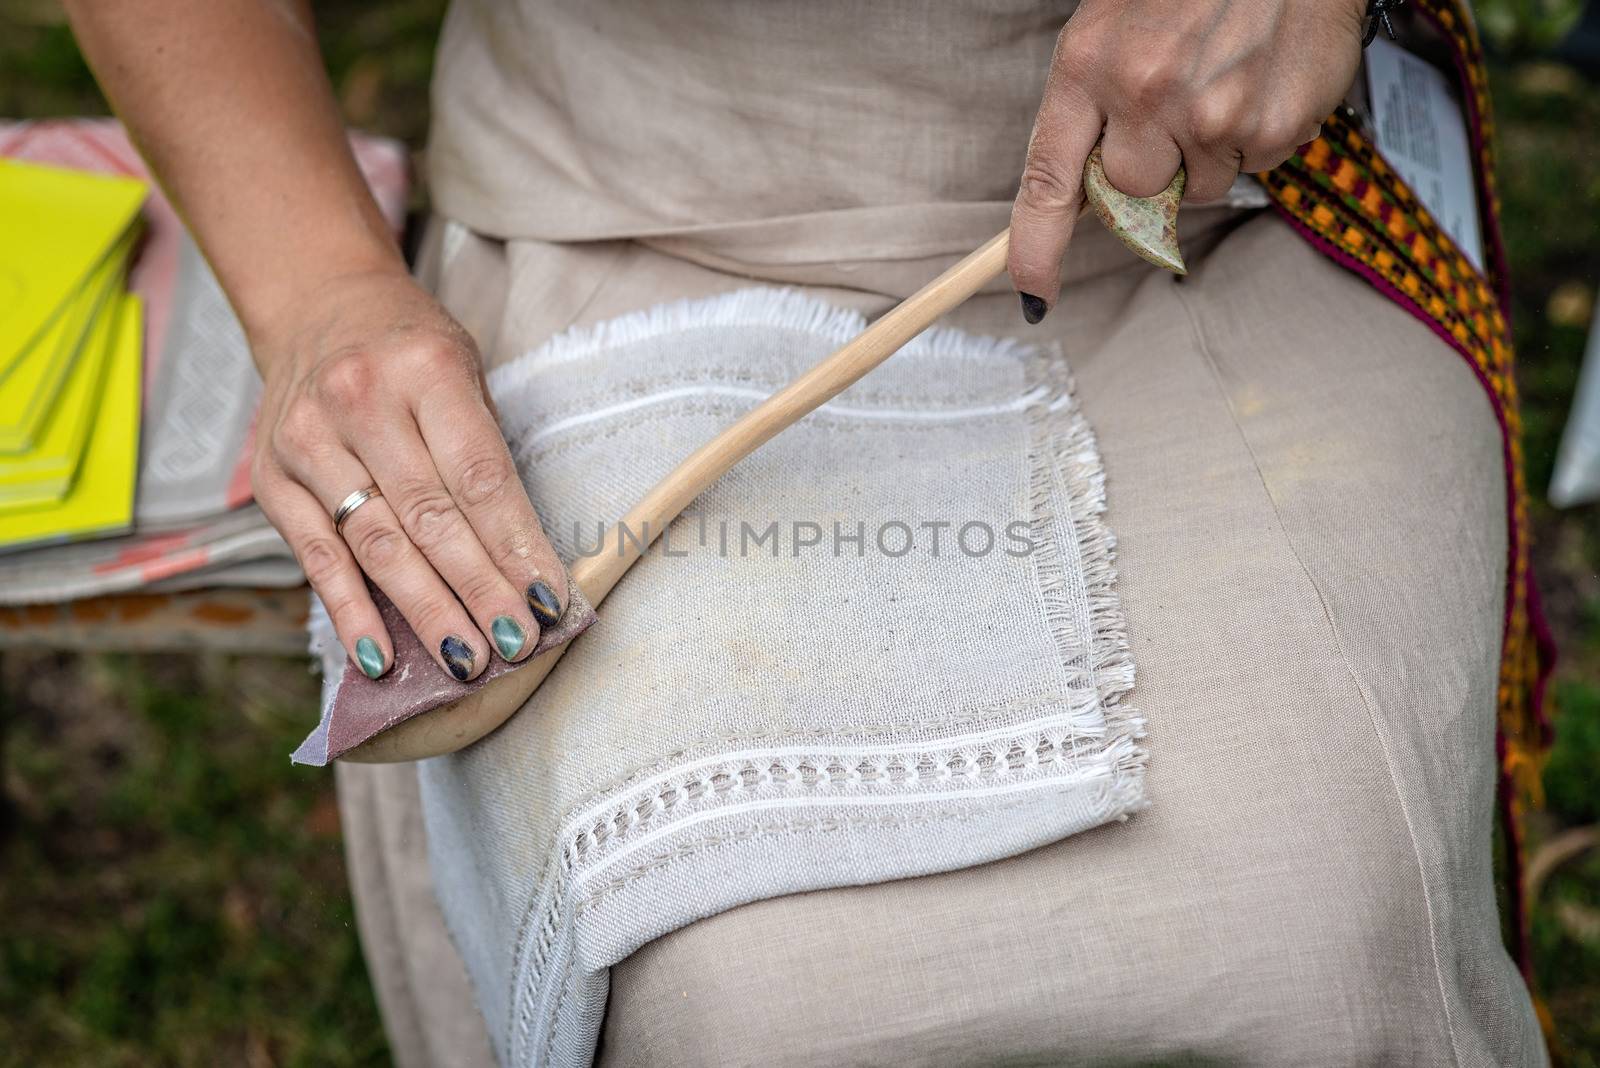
101,499
44,473
31,388
57,225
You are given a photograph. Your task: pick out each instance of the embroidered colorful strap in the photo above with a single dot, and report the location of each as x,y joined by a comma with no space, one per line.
1342,197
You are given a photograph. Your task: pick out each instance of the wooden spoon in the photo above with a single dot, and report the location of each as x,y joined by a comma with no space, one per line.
1147,226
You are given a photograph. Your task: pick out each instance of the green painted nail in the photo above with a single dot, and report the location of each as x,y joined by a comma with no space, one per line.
370,656
508,636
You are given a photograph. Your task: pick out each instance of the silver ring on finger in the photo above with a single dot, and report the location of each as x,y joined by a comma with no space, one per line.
348,506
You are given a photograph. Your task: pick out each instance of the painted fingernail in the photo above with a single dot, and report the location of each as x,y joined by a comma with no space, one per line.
508,635
542,600
369,655
1033,308
457,657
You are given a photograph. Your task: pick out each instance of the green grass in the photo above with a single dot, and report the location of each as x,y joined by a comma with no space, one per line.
173,891
1550,185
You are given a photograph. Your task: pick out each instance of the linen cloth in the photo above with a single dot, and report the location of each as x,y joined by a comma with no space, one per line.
886,644
1309,563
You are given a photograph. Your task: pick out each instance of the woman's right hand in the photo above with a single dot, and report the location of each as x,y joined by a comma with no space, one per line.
1217,87
369,381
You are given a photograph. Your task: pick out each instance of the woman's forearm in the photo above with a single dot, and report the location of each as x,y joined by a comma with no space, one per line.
229,103
369,388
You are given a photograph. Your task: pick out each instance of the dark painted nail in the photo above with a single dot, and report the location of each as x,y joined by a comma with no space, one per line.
1033,308
369,655
542,600
457,657
509,636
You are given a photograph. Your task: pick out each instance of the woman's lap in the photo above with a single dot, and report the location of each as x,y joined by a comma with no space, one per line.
1306,489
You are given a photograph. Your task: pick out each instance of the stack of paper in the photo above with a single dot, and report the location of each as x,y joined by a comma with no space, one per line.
192,520
71,339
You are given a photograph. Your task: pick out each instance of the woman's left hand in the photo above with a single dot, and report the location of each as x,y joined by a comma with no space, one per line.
1215,86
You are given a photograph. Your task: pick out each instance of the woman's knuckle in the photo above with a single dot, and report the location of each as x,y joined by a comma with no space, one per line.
349,381
431,613
430,517
1147,82
484,478
1075,53
478,588
1276,135
1214,119
378,546
1046,185
514,550
438,358
321,560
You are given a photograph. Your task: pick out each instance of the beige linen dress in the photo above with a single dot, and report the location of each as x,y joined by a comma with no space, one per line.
1306,489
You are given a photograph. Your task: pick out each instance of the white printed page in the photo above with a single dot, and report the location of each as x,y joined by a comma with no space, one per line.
1422,132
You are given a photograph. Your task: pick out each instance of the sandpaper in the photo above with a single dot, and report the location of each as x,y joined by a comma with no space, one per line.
362,708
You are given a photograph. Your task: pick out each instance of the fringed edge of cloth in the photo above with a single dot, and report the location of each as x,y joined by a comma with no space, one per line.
1339,193
1064,465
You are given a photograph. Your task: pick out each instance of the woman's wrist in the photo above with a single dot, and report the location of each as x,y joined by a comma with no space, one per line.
274,308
